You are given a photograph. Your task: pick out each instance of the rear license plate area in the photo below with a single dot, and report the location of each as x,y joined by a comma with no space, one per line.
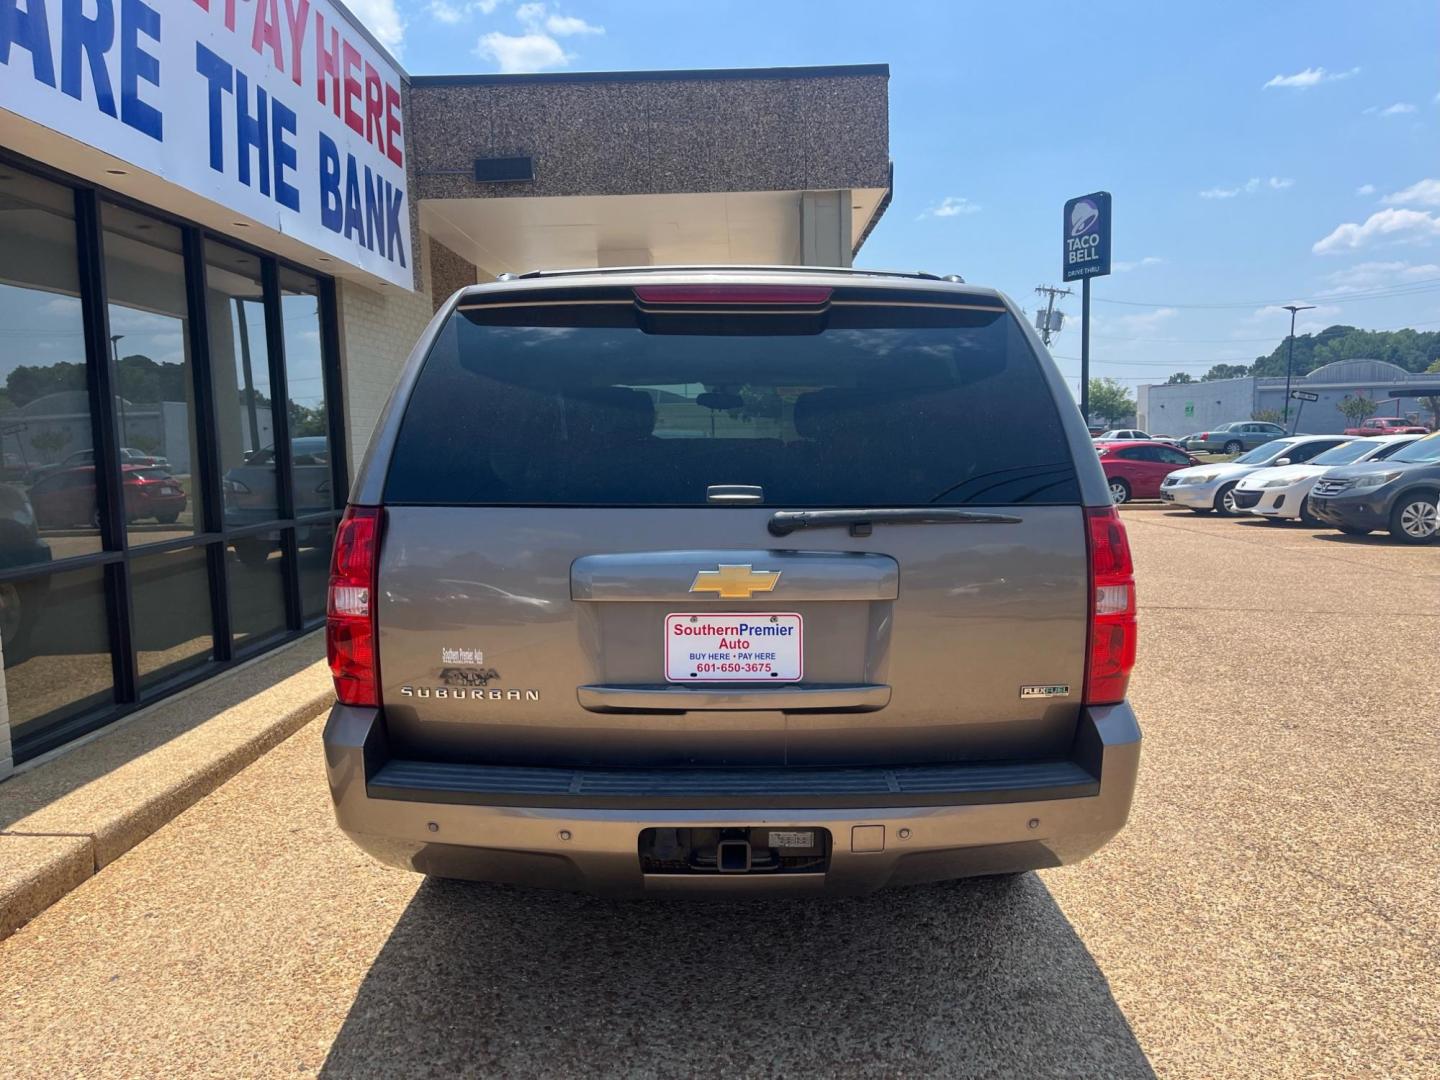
734,647
740,849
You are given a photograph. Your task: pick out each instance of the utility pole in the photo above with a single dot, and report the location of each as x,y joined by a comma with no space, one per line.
1294,309
1045,322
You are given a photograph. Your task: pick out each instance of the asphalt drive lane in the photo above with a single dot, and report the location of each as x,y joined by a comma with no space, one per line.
1272,908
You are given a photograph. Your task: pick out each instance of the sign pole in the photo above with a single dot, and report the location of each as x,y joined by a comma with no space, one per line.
1299,410
1085,350
1086,255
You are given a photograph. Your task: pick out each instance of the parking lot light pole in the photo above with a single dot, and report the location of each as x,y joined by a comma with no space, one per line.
1294,309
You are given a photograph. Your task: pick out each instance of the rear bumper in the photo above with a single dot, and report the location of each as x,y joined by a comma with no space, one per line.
1053,814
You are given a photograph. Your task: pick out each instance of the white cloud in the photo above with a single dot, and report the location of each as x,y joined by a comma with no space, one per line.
1400,108
1303,80
569,25
1139,325
1365,276
382,20
1399,226
1365,189
519,53
1254,184
1123,267
536,49
951,206
446,12
1422,193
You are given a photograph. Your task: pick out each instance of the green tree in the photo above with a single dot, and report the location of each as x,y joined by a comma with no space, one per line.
1432,402
1356,408
50,442
1179,377
1412,350
1110,400
1268,416
142,380
26,383
1225,371
307,420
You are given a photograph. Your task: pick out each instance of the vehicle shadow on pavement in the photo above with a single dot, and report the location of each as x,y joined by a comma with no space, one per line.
982,977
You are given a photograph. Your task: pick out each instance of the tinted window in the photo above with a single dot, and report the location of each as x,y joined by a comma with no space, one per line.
1172,457
1264,452
1343,454
1306,451
305,377
599,405
240,368
45,407
1426,449
150,335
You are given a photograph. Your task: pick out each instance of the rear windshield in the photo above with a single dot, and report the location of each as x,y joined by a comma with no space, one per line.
602,405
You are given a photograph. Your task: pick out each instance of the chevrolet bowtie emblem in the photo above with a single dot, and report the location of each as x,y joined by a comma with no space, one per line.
735,582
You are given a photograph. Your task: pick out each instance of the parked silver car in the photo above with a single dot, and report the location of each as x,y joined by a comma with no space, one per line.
668,581
1204,488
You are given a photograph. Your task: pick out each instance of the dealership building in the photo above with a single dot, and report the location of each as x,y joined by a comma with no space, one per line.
1182,408
221,232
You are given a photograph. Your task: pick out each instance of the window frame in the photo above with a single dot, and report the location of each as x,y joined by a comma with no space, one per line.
212,536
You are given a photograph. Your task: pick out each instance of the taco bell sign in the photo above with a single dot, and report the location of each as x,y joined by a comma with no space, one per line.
1087,237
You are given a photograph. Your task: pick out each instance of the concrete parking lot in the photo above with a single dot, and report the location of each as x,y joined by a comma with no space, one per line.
1271,910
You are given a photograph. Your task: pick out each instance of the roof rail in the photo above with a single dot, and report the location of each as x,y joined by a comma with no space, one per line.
844,270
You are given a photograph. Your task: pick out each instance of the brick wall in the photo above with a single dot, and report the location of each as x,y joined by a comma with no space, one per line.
377,331
448,272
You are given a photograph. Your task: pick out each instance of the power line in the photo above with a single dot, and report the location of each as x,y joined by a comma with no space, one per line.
1318,335
1408,288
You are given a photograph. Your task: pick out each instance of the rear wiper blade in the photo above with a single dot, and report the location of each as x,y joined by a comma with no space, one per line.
784,522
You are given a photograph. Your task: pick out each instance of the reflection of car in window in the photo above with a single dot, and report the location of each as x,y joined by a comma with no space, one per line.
251,496
65,498
20,545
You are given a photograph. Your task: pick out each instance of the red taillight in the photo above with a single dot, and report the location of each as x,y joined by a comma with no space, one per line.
1112,608
350,622
804,295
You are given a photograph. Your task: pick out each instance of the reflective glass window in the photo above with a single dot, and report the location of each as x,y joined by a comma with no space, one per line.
240,369
47,484
154,390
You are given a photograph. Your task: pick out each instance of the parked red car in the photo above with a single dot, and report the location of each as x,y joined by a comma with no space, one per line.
1387,425
66,497
1134,469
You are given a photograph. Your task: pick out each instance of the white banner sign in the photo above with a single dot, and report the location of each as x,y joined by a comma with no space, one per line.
276,109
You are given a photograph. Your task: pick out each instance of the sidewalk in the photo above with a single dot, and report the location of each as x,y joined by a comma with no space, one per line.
64,820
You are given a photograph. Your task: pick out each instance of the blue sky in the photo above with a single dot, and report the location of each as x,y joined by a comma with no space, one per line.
1258,154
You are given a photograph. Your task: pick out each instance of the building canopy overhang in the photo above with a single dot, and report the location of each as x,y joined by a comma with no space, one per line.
780,165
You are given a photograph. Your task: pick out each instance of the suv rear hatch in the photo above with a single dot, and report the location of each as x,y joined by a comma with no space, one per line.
731,525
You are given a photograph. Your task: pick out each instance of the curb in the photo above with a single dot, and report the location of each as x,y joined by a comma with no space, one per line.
63,820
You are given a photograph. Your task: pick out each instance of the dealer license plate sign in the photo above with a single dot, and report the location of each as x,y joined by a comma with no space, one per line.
711,647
